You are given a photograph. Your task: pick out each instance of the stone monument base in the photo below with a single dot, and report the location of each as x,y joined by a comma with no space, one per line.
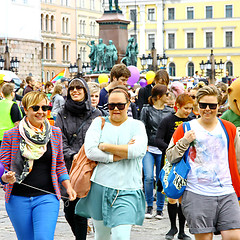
113,26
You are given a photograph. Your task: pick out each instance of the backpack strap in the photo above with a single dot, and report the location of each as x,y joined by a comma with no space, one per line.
186,127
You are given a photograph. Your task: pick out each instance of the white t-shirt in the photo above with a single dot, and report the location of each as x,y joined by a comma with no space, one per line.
208,158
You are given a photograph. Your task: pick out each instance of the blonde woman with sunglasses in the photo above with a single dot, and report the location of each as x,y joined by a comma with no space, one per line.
115,201
33,160
210,201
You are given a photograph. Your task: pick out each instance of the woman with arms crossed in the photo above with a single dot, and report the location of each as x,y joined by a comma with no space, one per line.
115,201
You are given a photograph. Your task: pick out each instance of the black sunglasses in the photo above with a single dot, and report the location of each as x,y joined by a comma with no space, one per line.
44,108
73,87
212,106
120,106
193,97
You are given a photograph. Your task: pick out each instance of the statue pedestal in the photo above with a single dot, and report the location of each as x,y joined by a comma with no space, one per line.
113,26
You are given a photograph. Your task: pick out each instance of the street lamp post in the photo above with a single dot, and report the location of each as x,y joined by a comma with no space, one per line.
7,64
211,67
77,68
153,60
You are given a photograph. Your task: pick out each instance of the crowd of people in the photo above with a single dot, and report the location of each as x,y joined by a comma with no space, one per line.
130,132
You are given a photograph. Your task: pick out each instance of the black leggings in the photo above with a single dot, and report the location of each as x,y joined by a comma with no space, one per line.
77,223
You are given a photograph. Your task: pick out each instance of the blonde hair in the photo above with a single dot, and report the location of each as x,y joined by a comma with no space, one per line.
33,98
57,90
208,91
93,87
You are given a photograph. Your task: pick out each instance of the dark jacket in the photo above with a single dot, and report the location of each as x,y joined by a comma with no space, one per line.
151,117
143,95
69,124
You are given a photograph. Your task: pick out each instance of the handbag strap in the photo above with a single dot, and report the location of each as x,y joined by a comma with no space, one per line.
186,127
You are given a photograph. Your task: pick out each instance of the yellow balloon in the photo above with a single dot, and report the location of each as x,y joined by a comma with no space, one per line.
150,76
102,78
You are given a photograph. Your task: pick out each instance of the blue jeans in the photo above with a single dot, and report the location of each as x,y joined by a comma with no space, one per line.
148,170
33,218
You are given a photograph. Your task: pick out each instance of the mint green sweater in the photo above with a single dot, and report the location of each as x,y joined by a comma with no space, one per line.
127,173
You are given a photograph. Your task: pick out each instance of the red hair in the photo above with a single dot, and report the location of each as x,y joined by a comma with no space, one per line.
183,99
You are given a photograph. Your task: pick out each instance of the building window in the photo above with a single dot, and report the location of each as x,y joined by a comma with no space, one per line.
228,9
133,15
228,39
80,26
47,51
66,30
151,14
80,52
51,23
48,76
53,74
190,69
63,52
67,53
92,4
151,40
209,12
42,22
94,29
83,27
172,69
46,22
171,40
229,68
84,54
190,40
190,12
171,14
63,25
209,39
52,51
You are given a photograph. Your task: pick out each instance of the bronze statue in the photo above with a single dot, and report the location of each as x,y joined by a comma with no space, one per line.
131,53
92,55
110,56
116,5
100,52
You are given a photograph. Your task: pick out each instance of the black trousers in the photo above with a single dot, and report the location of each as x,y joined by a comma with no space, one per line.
77,223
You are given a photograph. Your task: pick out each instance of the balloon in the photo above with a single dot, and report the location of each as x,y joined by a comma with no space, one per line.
135,75
1,169
103,78
150,76
143,83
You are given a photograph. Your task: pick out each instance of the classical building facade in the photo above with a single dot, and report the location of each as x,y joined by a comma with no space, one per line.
186,31
67,26
20,31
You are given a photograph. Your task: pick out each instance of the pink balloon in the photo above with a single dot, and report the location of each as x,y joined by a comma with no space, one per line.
143,83
135,75
1,169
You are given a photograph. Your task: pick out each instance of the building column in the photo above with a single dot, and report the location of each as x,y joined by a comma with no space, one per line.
142,36
160,35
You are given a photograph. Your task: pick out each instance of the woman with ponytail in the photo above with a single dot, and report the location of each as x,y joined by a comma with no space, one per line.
151,115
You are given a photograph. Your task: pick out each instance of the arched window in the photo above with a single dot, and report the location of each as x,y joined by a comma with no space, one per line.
47,51
80,52
66,30
172,69
48,76
63,25
52,24
94,29
46,22
80,27
52,51
84,54
84,24
67,53
91,29
229,68
42,19
63,53
53,74
190,69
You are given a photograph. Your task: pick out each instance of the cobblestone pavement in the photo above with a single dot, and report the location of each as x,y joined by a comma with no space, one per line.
152,228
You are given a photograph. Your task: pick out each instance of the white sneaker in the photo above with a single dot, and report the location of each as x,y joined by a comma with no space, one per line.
159,215
149,213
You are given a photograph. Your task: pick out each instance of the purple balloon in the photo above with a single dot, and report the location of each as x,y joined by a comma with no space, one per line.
1,169
135,75
143,83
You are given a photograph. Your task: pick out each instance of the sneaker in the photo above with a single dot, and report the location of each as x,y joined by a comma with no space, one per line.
159,215
149,213
183,236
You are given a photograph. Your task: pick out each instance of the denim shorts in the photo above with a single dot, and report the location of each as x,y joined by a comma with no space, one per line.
206,214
